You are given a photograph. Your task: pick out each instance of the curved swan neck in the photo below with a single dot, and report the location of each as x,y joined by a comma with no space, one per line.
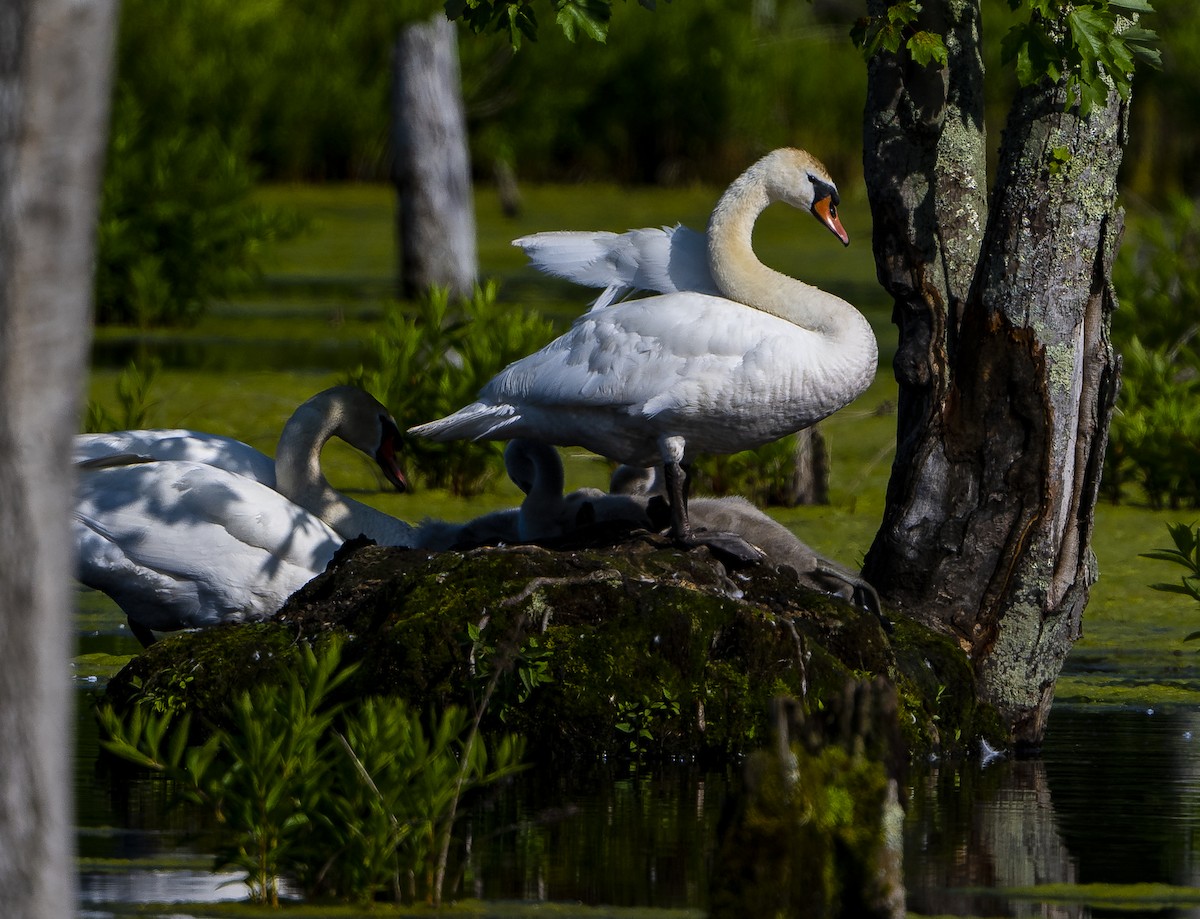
739,273
298,471
537,470
299,477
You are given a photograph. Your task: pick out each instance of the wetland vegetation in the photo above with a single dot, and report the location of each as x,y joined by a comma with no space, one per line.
243,367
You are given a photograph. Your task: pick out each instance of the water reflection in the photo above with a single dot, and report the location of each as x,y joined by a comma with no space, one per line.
1114,798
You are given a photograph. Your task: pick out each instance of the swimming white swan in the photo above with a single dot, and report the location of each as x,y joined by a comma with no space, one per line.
661,379
184,545
341,411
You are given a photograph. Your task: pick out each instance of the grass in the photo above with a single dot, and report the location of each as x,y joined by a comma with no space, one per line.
321,295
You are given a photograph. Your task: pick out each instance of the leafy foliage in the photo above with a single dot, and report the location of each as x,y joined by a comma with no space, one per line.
517,19
348,804
1083,41
1186,554
133,394
1155,436
896,29
764,476
431,364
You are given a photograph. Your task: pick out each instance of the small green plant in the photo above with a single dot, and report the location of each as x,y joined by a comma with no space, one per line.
1186,554
349,804
642,719
508,677
133,395
432,363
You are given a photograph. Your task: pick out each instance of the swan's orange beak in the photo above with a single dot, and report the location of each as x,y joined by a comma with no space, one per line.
826,212
385,457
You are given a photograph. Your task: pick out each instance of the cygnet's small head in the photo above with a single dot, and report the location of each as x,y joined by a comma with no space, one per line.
796,177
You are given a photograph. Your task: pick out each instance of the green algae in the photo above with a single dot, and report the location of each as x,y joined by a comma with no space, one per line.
1139,897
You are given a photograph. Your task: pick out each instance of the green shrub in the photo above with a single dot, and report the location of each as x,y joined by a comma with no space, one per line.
1154,441
177,227
430,364
349,804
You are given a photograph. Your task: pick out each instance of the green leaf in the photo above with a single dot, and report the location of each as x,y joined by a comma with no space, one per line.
1174,589
1092,31
928,48
589,16
1136,6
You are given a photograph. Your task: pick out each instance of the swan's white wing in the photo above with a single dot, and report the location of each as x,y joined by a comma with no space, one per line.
722,375
649,355
180,444
180,545
666,260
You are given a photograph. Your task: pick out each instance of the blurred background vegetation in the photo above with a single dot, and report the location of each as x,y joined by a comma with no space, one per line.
217,99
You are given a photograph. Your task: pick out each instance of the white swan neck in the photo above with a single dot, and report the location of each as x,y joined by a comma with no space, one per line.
741,275
299,477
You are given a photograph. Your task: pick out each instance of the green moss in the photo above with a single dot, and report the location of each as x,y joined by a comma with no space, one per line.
638,649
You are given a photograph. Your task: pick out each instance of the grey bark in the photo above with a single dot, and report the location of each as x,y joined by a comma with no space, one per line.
1007,377
810,476
435,209
55,58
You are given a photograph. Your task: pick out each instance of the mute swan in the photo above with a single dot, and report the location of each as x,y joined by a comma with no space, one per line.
735,514
661,379
179,444
341,411
183,545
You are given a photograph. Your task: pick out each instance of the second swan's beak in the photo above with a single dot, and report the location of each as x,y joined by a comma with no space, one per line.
385,456
826,211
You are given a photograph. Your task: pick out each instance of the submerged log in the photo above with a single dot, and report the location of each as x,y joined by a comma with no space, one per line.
636,648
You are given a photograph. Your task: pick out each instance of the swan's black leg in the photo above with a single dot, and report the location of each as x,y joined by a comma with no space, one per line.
678,486
730,545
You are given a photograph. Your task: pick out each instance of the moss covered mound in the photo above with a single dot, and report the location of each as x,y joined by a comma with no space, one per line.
637,648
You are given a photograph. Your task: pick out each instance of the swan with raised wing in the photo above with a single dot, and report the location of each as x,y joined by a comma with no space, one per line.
661,379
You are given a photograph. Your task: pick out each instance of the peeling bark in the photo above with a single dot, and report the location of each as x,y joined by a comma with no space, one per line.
1009,384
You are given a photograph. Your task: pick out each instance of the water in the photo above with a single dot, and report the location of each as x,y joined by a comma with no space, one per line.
1114,798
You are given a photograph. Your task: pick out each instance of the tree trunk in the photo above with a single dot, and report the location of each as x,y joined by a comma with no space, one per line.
435,210
1007,377
55,58
810,475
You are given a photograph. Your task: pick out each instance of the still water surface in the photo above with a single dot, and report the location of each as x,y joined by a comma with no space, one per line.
1113,798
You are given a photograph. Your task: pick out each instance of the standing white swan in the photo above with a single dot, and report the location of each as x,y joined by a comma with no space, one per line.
667,377
340,411
185,545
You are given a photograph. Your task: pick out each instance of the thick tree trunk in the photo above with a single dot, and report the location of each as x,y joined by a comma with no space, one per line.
435,209
54,77
1007,377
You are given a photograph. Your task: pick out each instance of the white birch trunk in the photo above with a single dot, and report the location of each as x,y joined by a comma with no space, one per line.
55,58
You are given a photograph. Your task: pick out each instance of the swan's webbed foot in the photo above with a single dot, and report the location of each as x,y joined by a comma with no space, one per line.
726,546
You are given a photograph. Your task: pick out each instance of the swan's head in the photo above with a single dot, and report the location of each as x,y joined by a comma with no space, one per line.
796,177
364,423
